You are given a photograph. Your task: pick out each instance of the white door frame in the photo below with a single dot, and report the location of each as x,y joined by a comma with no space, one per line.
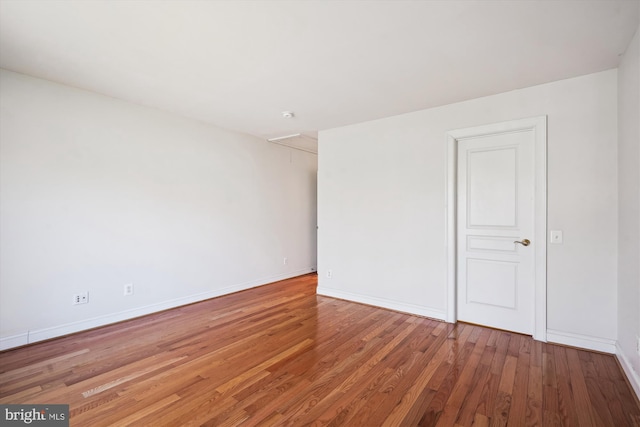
539,127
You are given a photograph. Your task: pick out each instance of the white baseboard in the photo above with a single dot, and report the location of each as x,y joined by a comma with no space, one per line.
632,375
384,303
82,325
582,341
14,341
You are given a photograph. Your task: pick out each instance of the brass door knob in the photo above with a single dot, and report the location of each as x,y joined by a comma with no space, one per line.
525,242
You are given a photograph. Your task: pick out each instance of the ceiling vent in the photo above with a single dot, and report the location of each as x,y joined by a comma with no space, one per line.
297,141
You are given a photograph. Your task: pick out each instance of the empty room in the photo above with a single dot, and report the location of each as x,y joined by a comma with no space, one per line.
294,213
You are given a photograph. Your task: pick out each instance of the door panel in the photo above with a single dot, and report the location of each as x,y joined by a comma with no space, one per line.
491,190
486,243
492,282
495,199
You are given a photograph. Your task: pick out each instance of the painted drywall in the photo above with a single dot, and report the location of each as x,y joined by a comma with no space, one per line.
96,193
382,200
629,211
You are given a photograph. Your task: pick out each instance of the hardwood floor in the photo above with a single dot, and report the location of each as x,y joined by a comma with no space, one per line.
280,355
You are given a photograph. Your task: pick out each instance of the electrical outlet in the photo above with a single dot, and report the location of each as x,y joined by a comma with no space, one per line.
128,289
81,298
329,274
638,345
284,261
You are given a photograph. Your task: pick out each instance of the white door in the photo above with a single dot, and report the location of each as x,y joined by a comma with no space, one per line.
495,214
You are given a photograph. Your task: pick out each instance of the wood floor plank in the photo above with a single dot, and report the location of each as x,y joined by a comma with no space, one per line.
471,405
347,381
490,389
464,387
392,394
400,409
393,376
280,355
457,356
518,409
566,405
533,416
579,388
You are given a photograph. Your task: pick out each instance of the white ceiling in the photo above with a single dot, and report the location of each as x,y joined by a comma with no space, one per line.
239,64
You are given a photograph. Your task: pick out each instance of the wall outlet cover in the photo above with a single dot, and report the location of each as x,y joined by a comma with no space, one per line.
555,237
81,298
128,289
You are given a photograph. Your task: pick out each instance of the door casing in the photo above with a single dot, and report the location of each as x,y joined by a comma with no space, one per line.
539,126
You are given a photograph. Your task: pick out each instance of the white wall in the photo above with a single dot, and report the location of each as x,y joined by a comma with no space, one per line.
96,193
629,211
382,194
